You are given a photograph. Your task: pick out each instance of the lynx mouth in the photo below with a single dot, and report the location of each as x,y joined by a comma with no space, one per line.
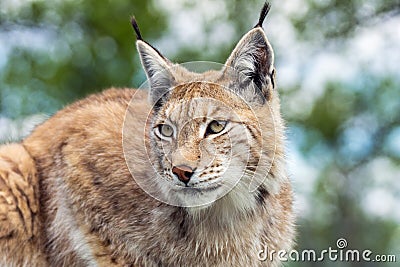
197,189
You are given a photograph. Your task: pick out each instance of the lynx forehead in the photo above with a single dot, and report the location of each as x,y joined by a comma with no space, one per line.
190,172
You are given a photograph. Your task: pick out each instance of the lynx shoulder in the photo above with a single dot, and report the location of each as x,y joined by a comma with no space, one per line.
190,172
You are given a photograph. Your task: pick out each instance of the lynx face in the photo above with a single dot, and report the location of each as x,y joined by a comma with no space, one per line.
212,134
205,143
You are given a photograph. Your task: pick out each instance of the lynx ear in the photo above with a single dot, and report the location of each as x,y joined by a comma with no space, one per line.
158,71
156,67
252,61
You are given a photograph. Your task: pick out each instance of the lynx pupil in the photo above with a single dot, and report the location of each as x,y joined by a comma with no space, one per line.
215,127
166,130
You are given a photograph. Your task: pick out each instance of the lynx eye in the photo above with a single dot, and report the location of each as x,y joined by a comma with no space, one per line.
165,130
215,127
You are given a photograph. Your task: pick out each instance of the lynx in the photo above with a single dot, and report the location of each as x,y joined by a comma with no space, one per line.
188,173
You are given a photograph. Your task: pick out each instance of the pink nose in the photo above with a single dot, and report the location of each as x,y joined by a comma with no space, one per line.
183,172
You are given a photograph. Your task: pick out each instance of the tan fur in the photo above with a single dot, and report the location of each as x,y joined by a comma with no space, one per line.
79,157
19,209
68,198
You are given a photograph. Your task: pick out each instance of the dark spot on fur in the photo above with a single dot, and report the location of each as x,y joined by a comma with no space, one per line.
272,174
10,235
97,180
251,168
157,106
15,169
62,145
262,194
272,77
94,229
252,132
180,216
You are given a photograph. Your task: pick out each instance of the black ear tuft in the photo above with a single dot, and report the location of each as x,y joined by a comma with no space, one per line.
136,28
264,12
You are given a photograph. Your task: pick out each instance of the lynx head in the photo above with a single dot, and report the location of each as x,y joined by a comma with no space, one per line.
215,135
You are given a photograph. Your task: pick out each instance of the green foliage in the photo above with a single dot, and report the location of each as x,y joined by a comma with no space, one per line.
340,18
91,47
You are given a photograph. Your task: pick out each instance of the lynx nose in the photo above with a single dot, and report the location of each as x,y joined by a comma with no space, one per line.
183,172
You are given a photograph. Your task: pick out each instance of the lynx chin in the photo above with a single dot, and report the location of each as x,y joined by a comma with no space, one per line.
190,172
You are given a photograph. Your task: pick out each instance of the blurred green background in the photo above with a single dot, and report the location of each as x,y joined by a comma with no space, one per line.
338,71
